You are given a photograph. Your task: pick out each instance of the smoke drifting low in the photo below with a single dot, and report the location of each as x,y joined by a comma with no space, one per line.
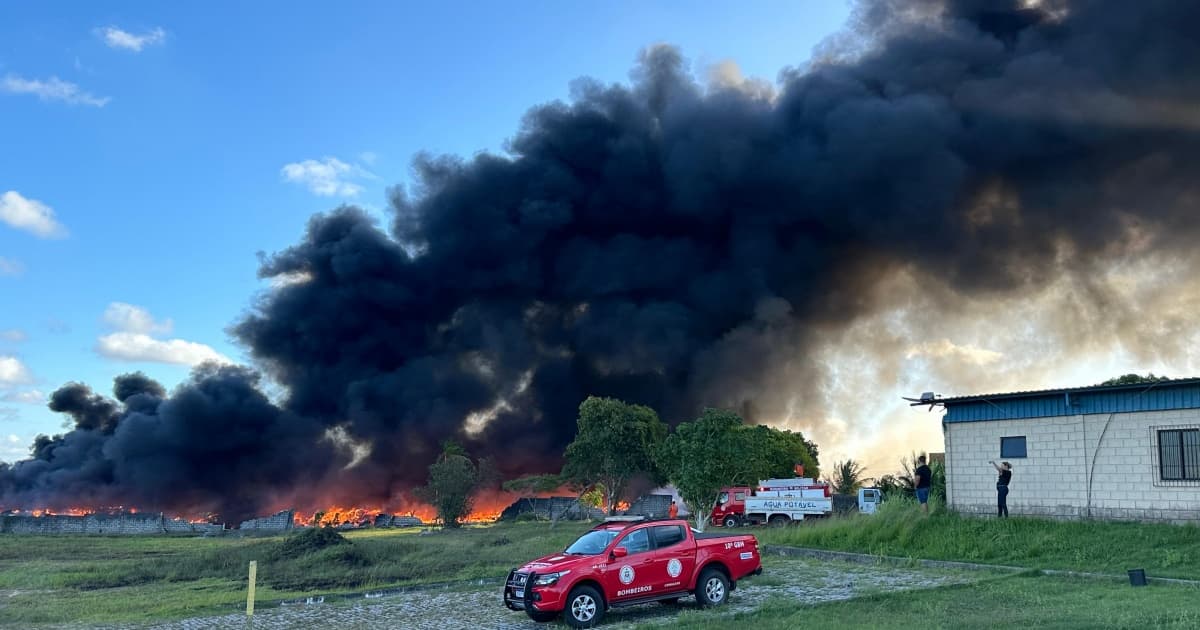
674,244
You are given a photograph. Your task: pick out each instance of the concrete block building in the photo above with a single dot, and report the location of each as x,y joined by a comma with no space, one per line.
1124,452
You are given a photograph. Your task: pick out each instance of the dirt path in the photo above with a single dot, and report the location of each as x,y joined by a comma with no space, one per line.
472,607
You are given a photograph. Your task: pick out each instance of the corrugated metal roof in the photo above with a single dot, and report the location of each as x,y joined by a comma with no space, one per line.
1161,395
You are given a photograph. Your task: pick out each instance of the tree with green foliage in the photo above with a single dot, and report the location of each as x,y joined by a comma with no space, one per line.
847,477
718,450
1135,379
889,486
778,452
453,479
705,455
614,443
593,498
937,488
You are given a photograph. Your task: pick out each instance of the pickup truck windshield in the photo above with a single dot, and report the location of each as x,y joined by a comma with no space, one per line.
593,542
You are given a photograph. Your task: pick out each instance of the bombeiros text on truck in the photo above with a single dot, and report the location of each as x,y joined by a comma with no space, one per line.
631,560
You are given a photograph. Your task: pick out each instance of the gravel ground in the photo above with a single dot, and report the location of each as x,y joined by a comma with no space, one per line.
474,606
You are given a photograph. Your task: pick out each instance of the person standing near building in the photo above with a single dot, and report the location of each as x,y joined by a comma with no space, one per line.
1005,470
924,481
673,511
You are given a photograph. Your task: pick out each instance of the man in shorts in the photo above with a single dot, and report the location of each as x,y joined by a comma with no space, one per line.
924,481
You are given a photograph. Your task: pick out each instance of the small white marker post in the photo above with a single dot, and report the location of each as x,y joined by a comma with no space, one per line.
250,593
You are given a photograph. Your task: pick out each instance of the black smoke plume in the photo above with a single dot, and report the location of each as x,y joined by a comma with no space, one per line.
670,243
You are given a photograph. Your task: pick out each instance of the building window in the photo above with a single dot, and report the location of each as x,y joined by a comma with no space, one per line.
1179,454
1012,446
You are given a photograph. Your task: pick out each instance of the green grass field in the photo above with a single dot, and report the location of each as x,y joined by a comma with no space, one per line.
102,579
1102,547
82,580
1005,602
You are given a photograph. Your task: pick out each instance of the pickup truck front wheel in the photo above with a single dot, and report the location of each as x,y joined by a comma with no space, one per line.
585,608
712,589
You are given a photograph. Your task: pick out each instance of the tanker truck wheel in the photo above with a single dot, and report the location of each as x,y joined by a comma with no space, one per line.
730,521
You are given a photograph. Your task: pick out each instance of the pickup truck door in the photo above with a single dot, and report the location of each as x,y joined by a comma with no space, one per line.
631,577
674,559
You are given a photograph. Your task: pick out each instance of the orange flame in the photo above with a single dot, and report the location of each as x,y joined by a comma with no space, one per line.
622,506
487,507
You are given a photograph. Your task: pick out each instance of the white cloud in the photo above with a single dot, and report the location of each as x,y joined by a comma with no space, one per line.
13,372
132,340
10,267
15,335
52,89
30,215
125,317
128,346
327,177
29,396
12,448
117,38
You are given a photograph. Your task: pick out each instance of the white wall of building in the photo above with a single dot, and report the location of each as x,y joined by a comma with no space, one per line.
1115,452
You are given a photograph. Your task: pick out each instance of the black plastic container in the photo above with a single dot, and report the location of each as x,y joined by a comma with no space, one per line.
1137,577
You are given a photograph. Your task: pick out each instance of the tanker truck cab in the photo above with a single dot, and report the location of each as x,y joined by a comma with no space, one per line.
730,509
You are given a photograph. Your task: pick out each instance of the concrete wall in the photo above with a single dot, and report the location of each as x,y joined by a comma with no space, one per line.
565,508
390,520
653,505
123,524
278,522
1114,454
180,526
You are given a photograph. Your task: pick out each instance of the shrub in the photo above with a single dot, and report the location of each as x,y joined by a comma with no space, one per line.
308,541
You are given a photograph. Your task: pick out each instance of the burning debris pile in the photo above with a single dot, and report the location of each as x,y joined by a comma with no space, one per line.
667,243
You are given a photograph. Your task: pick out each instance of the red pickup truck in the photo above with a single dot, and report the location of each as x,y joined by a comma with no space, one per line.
623,562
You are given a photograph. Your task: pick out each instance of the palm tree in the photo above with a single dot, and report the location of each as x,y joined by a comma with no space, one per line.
847,477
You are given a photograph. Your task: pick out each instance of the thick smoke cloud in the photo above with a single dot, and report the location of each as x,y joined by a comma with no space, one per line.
674,244
216,443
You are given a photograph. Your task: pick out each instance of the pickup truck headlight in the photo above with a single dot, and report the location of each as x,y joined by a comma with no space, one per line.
549,578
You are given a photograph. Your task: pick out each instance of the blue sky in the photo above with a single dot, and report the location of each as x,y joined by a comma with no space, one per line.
147,147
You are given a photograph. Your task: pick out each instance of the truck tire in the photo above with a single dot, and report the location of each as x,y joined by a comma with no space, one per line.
585,607
778,520
712,589
730,521
541,616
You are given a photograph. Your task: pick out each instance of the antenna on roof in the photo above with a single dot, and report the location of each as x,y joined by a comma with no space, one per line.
927,398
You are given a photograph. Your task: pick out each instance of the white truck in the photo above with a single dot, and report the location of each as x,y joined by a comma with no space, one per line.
775,501
868,500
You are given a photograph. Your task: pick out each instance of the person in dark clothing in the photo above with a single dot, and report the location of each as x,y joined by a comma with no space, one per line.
1005,470
924,481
